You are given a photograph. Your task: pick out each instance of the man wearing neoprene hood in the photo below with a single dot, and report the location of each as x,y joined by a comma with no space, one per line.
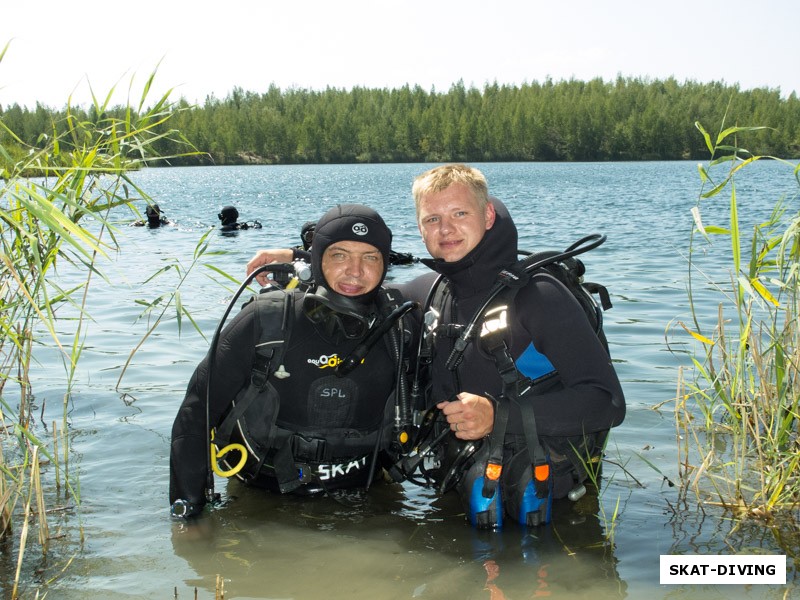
308,429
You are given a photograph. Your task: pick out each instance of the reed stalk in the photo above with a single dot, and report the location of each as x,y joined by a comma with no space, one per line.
38,490
219,592
56,470
737,417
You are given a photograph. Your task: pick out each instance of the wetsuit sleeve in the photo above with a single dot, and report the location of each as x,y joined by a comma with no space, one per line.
190,440
589,397
300,254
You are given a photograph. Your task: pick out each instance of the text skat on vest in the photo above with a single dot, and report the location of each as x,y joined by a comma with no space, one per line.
252,418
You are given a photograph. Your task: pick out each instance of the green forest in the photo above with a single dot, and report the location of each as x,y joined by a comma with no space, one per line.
597,120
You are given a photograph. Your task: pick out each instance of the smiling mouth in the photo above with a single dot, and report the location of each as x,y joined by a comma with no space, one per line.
349,288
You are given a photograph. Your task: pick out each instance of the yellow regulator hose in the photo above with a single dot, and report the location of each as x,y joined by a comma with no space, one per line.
217,455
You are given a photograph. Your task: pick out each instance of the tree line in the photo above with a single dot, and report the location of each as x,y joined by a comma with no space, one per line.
596,120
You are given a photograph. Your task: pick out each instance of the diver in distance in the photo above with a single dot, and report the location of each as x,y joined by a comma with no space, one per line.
228,218
154,218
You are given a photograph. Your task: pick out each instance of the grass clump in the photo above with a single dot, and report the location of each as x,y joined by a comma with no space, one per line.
737,415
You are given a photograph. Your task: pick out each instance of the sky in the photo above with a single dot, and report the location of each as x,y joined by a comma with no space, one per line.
60,50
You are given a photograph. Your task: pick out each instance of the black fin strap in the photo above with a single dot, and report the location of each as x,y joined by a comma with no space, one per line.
225,429
505,365
536,452
260,376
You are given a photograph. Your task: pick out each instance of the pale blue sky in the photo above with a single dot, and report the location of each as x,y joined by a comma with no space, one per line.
208,48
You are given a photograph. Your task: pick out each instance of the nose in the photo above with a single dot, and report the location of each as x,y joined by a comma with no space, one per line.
445,225
354,267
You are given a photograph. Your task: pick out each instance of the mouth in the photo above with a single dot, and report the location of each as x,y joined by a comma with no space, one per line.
450,245
349,289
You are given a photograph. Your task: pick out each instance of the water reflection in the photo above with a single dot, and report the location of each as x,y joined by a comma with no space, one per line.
393,543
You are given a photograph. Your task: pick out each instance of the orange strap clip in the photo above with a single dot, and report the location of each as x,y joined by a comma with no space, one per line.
541,472
493,471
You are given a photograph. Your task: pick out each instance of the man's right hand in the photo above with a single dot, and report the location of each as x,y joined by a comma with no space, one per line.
471,417
266,257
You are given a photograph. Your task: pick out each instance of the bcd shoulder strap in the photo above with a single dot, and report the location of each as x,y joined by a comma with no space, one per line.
274,310
515,385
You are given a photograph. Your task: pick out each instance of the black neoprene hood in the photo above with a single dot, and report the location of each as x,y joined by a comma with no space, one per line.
350,222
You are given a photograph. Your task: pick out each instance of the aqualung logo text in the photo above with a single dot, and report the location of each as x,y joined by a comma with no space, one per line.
360,229
325,361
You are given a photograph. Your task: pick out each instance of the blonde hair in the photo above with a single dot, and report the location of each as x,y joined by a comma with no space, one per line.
442,177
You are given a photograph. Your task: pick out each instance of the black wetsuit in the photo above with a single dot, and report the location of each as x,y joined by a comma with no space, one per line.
548,331
313,401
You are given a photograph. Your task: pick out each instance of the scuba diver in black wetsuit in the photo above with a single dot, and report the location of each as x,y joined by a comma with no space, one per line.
513,376
521,377
320,413
228,218
155,217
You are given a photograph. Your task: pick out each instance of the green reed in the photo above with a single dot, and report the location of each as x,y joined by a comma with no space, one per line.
59,219
737,415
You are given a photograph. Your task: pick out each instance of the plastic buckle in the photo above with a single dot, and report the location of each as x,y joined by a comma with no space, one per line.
308,449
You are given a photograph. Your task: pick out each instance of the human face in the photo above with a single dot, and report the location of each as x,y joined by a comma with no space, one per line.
352,268
451,223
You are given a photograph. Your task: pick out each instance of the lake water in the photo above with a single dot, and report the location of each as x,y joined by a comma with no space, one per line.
400,541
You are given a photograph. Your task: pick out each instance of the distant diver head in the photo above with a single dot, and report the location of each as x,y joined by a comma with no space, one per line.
153,213
228,215
307,234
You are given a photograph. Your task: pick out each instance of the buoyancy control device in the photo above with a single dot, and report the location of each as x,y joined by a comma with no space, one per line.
489,480
247,443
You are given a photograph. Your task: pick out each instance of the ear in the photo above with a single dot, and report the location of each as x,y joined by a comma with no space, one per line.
489,215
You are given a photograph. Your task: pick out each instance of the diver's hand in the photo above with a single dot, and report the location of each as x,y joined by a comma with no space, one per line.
266,257
471,417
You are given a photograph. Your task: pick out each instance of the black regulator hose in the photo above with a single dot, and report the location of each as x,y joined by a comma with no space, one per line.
360,352
415,388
